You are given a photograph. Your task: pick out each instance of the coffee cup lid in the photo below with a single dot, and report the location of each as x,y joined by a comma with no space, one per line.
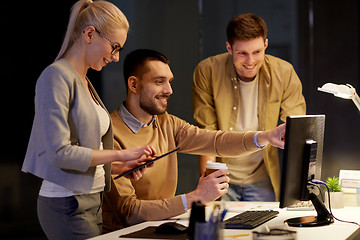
215,165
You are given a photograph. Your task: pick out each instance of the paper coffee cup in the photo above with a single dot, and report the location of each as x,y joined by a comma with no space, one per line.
214,166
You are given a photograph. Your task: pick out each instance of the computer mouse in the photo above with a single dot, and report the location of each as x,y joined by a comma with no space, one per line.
171,228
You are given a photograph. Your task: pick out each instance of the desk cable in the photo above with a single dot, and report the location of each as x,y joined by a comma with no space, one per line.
315,182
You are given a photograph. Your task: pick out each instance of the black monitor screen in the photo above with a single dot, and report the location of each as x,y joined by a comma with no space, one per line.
302,157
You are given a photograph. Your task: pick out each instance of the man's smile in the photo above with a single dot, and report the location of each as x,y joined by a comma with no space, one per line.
249,67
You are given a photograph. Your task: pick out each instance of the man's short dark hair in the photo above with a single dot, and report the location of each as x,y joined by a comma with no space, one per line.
135,62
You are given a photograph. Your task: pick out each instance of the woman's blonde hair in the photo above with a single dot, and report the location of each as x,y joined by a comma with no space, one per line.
103,15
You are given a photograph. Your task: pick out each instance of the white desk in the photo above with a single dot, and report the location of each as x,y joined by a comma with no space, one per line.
337,230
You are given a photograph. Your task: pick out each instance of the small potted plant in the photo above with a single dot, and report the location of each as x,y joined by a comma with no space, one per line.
336,195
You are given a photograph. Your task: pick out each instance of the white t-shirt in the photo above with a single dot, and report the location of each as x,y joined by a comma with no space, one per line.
249,168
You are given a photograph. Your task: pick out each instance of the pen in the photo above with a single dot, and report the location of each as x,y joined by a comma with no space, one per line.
223,214
214,217
237,235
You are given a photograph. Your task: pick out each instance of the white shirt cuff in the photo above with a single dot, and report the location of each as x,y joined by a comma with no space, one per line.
184,200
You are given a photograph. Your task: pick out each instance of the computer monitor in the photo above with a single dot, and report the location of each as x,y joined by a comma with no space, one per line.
302,159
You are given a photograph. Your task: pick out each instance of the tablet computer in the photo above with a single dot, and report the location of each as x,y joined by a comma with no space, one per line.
147,163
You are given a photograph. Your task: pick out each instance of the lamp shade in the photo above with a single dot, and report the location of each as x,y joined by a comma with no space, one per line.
343,91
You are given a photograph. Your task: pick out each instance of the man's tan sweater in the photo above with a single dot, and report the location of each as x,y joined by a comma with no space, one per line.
153,196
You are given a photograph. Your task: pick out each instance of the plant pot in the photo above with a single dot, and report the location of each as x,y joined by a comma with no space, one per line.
336,200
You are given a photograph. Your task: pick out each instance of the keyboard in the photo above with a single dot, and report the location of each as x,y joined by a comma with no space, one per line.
250,219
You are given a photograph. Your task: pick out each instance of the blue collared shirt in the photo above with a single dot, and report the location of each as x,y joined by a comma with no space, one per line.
132,122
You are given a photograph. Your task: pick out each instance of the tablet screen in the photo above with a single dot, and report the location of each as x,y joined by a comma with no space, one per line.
147,163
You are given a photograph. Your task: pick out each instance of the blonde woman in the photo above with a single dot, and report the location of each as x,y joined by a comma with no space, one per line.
71,141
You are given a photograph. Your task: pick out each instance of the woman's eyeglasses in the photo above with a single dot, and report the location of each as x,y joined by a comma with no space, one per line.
116,47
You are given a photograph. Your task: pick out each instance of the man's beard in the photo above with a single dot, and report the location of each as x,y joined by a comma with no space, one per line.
150,107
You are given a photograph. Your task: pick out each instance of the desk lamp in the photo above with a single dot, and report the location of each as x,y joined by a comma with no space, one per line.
343,91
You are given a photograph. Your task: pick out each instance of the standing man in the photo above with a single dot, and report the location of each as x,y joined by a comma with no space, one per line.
143,119
245,89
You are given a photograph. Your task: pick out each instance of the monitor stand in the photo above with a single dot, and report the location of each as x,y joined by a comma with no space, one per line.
323,216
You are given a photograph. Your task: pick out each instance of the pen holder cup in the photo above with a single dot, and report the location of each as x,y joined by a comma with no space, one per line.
197,215
208,230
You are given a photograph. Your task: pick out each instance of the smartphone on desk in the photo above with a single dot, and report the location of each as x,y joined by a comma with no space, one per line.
147,163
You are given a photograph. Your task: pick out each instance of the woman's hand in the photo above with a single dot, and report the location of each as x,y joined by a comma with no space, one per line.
119,167
118,156
132,158
136,153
